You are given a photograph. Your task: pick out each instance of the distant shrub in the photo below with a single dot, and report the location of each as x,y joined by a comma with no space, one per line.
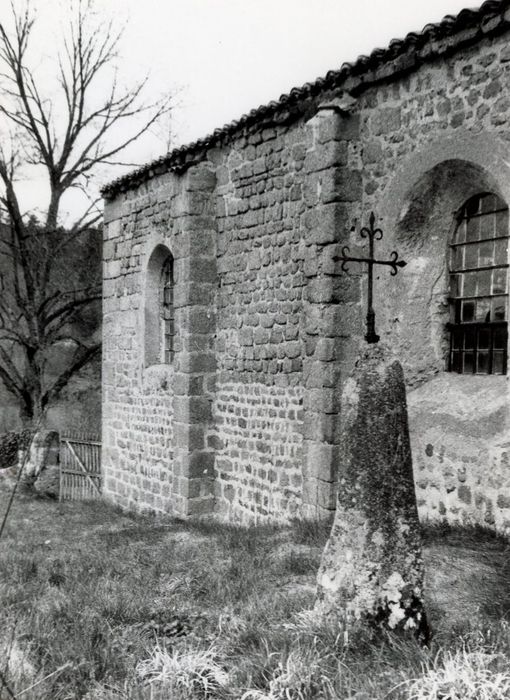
10,443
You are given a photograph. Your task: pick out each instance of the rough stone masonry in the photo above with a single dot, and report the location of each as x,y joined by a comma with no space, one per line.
244,419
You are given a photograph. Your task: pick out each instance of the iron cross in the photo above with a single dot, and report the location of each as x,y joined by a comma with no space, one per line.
373,234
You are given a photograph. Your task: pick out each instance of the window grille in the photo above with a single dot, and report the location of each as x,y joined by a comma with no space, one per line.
167,311
479,287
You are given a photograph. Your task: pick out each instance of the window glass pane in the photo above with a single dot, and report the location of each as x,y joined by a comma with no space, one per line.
456,362
501,223
457,258
498,309
500,338
499,278
482,363
457,339
469,362
455,285
473,206
471,256
488,226
472,229
497,362
484,339
469,284
488,202
483,283
460,232
486,254
455,312
470,339
483,310
501,252
167,296
468,311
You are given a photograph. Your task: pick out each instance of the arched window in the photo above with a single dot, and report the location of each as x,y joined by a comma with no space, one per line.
159,308
166,311
479,287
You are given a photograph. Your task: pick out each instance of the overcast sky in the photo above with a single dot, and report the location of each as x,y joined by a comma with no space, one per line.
232,55
225,57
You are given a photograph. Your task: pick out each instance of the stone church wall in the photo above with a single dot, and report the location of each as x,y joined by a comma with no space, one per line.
430,141
245,421
250,405
258,406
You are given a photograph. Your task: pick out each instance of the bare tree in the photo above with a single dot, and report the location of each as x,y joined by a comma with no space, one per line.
67,135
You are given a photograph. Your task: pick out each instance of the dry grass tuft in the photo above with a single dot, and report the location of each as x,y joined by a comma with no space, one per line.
197,673
463,675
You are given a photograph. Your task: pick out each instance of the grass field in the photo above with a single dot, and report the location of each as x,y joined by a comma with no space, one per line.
96,604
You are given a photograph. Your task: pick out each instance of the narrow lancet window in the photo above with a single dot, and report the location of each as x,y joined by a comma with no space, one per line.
167,311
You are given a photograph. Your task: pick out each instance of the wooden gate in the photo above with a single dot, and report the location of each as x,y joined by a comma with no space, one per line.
80,467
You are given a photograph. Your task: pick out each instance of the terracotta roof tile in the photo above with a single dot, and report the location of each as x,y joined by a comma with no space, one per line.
470,25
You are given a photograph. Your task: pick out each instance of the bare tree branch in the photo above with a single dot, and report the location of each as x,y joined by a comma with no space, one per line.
68,134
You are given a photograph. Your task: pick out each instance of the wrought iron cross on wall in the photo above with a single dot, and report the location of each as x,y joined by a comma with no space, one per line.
373,234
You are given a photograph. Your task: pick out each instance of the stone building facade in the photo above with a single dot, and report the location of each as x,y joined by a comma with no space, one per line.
221,394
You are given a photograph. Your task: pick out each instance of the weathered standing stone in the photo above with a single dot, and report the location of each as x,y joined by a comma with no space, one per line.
372,566
40,467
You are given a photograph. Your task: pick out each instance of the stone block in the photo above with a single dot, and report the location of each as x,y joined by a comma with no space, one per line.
199,488
198,319
199,178
197,507
201,464
246,336
322,400
386,120
200,269
329,223
192,409
261,336
340,185
112,269
503,501
326,349
192,293
198,362
190,245
317,375
319,494
187,437
342,320
319,290
326,155
320,427
372,152
345,186
320,461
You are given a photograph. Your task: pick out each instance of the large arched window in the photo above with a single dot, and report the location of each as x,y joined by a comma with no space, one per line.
479,287
159,308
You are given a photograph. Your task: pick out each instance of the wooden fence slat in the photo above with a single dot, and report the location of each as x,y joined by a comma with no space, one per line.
71,449
78,451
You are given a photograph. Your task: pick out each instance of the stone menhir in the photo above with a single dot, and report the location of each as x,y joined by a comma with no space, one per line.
372,566
40,465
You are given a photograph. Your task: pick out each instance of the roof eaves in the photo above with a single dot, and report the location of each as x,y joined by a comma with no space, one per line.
400,55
